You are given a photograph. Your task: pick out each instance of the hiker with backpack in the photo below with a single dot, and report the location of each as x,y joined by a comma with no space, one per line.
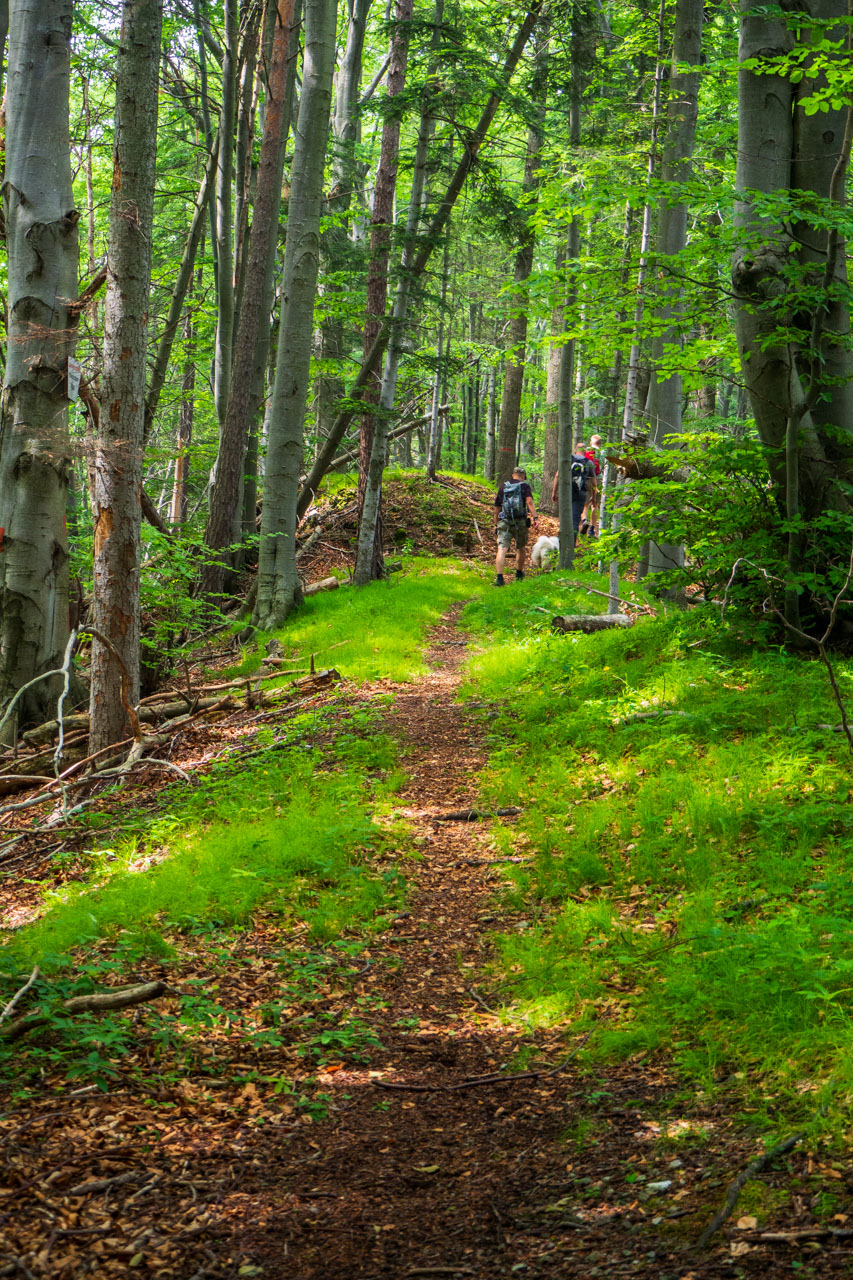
589,517
514,513
583,484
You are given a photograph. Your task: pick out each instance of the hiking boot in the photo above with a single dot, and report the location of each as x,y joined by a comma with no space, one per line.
519,574
499,580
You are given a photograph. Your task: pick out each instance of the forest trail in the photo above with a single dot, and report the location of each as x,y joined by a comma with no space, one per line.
426,1143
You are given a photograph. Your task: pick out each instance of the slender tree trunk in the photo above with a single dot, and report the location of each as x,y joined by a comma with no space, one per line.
435,425
491,426
665,391
118,465
370,526
432,235
335,244
278,582
225,493
552,393
224,218
515,365
369,560
41,238
566,428
163,357
186,416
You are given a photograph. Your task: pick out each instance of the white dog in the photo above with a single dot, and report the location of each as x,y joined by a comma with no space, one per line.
544,549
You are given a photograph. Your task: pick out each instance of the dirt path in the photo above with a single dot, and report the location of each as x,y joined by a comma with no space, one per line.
421,1168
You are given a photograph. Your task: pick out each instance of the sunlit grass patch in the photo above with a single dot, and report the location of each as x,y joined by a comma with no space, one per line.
377,631
291,829
691,871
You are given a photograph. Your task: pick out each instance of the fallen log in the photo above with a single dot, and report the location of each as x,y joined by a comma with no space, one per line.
474,815
589,622
324,584
153,714
24,768
98,1002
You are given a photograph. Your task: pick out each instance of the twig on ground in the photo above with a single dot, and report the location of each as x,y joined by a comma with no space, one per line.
805,1233
102,1184
440,1271
474,815
16,997
648,715
735,1188
119,998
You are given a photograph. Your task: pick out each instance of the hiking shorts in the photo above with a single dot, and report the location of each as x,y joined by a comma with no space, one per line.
515,529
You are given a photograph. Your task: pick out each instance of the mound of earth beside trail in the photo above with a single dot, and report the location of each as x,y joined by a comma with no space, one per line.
451,517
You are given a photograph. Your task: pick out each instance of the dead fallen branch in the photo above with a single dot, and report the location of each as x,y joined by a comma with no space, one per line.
794,1237
324,584
98,1002
16,997
593,591
751,1171
590,622
475,815
494,1078
649,715
184,702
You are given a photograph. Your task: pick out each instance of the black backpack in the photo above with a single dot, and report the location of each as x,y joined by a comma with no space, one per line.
579,475
514,508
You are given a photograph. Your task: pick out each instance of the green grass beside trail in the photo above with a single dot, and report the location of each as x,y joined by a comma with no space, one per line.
290,826
288,829
376,632
691,881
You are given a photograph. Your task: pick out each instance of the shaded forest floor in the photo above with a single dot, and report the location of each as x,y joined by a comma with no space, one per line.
406,1157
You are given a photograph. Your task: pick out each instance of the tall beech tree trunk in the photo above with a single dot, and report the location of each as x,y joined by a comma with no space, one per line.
278,582
118,460
335,244
226,490
665,390
223,351
795,351
42,252
369,527
515,365
369,561
551,459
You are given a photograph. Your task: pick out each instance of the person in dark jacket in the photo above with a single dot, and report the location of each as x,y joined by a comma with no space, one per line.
514,514
583,483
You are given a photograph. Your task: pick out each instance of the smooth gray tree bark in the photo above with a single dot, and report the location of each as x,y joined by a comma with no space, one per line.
369,562
260,262
792,313
278,582
664,404
42,255
513,384
118,456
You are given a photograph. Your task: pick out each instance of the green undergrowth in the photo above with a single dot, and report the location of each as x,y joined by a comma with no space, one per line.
377,631
288,833
290,829
689,888
293,823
